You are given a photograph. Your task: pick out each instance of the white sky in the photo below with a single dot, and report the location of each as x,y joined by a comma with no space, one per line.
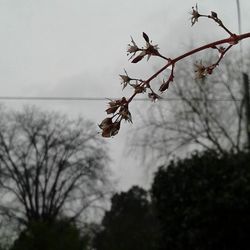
78,48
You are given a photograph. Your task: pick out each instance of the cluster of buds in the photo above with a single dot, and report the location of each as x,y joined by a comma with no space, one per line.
149,49
137,84
201,71
195,15
110,126
118,109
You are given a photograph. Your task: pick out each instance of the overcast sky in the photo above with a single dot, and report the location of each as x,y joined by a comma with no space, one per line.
78,48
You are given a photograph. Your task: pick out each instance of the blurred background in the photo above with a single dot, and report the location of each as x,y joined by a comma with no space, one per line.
60,56
78,49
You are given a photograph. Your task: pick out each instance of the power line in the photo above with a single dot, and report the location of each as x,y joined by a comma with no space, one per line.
52,98
78,98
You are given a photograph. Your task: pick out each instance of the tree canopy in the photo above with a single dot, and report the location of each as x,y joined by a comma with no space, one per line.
129,224
57,235
203,202
50,165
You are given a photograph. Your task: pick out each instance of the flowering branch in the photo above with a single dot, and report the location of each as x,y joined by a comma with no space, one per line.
119,109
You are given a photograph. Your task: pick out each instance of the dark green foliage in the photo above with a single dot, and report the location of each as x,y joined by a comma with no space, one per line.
204,202
60,235
2,247
130,224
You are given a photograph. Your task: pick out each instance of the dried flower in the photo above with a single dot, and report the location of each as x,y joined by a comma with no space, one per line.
152,50
125,114
115,129
132,49
107,122
149,49
111,129
125,79
114,105
153,96
138,88
200,70
195,15
112,109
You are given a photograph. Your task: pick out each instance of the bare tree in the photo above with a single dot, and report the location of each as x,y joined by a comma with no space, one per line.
205,113
50,166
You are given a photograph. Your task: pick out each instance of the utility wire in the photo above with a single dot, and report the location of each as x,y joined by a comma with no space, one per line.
75,98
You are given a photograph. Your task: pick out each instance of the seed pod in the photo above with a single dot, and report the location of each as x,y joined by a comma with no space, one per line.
214,14
145,36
